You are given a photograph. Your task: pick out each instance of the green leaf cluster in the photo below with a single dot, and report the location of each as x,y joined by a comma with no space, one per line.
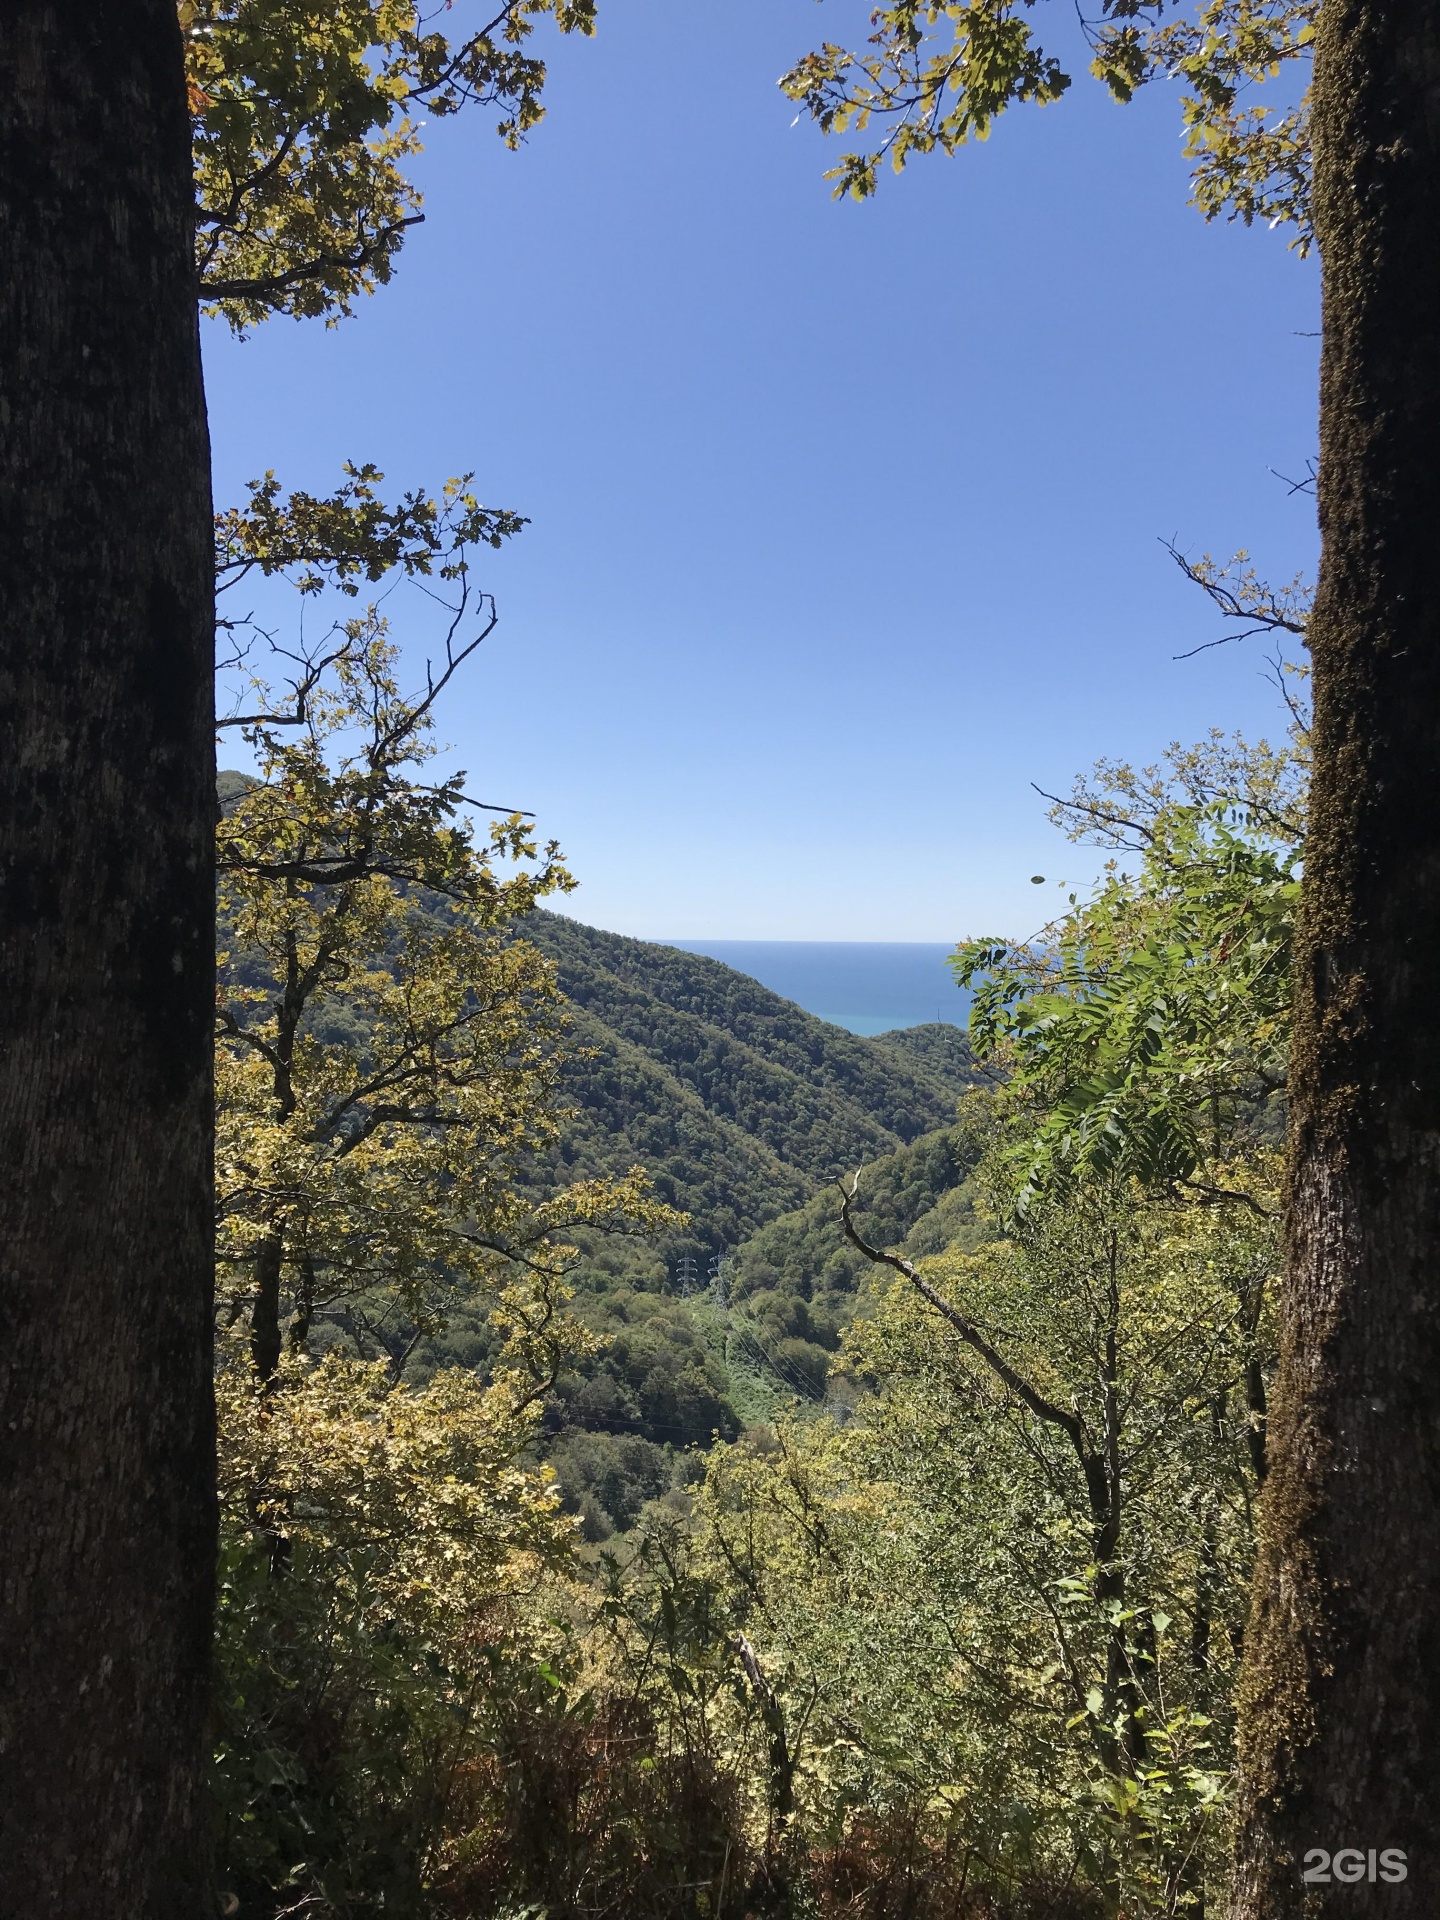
306,115
384,1554
1152,1020
936,76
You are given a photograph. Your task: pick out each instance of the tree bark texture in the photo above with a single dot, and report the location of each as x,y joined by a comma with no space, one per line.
107,806
1340,1700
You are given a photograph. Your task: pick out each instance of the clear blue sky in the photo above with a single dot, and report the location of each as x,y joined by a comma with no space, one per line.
845,519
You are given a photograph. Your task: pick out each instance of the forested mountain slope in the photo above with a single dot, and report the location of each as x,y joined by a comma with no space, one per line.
916,1197
739,1103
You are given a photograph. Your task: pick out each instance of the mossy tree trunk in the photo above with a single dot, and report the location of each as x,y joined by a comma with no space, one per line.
106,973
1340,1707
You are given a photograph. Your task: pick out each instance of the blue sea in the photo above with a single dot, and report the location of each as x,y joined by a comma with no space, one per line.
869,986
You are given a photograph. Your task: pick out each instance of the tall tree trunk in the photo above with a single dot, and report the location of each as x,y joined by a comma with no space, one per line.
1340,1707
265,1341
106,967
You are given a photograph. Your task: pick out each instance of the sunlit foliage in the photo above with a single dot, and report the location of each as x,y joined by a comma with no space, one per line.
934,77
386,1049
1152,1020
1022,1626
307,117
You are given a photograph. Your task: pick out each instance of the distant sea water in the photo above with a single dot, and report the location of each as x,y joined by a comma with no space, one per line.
869,986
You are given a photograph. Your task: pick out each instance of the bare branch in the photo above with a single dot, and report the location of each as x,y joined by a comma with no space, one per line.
1044,1409
315,667
1266,610
1312,471
455,658
1102,817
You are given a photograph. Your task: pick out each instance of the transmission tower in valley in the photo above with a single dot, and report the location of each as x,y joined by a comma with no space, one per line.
719,1266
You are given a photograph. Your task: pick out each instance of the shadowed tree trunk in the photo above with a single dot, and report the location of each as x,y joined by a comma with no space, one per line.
106,970
1340,1708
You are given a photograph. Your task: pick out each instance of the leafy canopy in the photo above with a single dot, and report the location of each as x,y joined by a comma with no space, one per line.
1154,1017
935,76
384,1553
306,116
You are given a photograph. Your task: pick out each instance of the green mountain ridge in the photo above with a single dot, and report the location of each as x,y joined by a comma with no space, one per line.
738,1102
